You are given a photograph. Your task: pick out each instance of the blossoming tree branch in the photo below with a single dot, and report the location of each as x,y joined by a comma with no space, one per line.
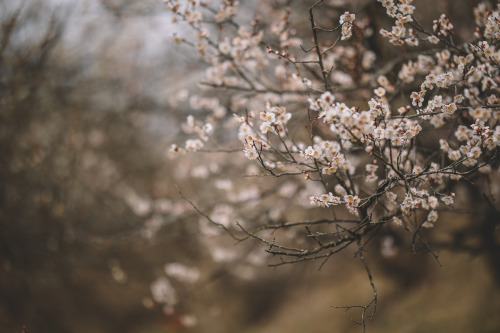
379,142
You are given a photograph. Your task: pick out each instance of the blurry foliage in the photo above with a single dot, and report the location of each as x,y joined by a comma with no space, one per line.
80,145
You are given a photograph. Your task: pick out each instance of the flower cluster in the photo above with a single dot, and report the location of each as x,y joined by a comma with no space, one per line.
346,20
326,200
402,13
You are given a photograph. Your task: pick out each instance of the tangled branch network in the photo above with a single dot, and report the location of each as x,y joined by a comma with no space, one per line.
359,139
